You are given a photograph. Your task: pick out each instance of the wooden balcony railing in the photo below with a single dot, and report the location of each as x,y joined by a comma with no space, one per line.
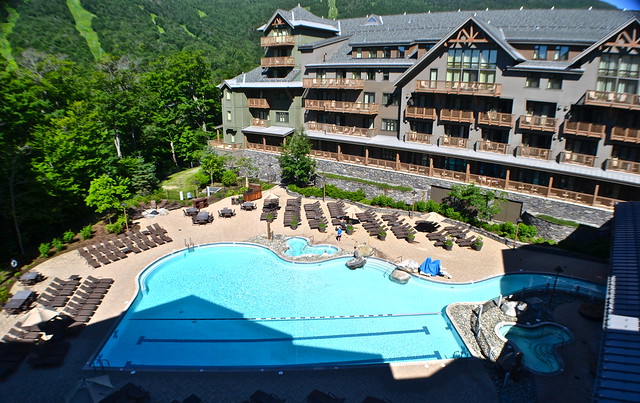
495,119
419,112
448,141
336,129
625,134
455,115
538,123
285,40
286,61
492,146
334,83
258,103
260,122
459,87
584,129
341,106
612,99
417,137
578,159
465,177
615,164
534,152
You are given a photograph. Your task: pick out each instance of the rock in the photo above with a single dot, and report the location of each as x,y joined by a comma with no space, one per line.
400,276
509,308
410,266
363,250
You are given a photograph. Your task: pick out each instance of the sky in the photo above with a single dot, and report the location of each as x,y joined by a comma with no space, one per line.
628,4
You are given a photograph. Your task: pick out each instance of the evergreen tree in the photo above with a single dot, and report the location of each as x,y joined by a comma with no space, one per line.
296,163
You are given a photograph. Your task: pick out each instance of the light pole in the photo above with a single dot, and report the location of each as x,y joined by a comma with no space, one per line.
558,271
126,220
515,241
413,203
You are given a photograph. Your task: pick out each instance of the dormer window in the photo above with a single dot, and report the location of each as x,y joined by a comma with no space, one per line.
401,52
373,54
540,52
358,53
386,52
562,53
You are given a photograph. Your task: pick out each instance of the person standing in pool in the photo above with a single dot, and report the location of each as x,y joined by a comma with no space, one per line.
339,234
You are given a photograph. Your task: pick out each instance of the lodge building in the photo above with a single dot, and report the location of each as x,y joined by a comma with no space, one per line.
538,102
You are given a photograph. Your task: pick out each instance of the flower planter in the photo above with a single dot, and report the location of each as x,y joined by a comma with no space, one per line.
448,247
382,237
322,229
294,226
476,246
349,231
410,240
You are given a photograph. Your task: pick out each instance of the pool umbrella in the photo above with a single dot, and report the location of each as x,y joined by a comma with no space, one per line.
352,210
91,390
37,315
434,217
269,195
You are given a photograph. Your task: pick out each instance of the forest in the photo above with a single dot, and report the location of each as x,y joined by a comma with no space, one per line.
126,89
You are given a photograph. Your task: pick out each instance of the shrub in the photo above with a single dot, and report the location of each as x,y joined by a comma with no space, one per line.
117,227
57,244
526,232
44,249
229,178
4,293
68,236
86,232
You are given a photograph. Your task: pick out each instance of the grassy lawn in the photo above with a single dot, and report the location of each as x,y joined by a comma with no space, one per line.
5,30
83,24
180,181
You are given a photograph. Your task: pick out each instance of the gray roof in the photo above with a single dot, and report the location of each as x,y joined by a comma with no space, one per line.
299,16
255,77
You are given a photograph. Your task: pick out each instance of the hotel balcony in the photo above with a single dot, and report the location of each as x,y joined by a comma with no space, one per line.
614,164
534,152
336,129
459,87
341,107
286,61
260,103
334,83
492,147
584,129
537,123
455,115
578,159
416,137
495,119
448,141
625,134
271,41
612,99
421,113
260,122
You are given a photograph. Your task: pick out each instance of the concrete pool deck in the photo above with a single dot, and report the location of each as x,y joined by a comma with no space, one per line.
456,381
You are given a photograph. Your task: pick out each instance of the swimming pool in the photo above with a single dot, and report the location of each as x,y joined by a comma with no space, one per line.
300,246
241,306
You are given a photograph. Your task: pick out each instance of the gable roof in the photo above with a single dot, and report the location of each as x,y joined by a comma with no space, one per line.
602,40
299,16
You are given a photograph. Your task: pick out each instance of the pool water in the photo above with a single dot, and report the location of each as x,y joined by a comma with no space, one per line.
300,246
241,306
538,345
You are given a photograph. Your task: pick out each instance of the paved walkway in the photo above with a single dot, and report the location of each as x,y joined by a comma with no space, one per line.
434,381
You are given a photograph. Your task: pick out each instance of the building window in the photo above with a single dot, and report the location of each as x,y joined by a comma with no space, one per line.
371,75
385,75
373,54
618,73
227,94
389,125
386,52
389,98
369,97
472,65
400,52
540,52
355,74
358,53
282,117
341,74
228,115
555,83
532,81
562,53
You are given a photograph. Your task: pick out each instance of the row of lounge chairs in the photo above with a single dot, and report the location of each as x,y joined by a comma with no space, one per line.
58,292
458,233
315,215
398,226
103,253
370,222
316,396
270,208
292,212
87,299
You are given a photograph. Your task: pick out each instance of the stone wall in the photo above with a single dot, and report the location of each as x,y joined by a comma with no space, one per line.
548,230
269,170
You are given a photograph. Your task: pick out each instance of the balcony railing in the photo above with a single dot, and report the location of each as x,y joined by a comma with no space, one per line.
260,122
334,83
258,103
578,159
286,61
492,147
459,87
584,129
455,115
534,152
448,141
538,123
417,137
615,164
612,99
285,40
263,147
625,134
337,129
495,119
340,106
419,112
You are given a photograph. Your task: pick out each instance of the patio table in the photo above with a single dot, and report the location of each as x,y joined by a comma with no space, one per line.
19,301
248,206
191,211
31,277
226,212
202,217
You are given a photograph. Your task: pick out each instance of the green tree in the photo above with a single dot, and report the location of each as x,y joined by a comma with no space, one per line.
213,165
296,163
473,201
229,178
142,174
106,193
246,168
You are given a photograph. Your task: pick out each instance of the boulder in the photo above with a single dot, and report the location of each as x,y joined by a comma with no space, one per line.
363,250
410,266
400,276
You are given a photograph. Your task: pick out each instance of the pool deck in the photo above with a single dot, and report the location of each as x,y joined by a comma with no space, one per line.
432,381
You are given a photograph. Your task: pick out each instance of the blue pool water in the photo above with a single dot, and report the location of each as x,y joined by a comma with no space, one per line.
538,345
241,306
300,246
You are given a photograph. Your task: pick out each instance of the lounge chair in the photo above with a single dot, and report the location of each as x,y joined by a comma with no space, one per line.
260,396
317,396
